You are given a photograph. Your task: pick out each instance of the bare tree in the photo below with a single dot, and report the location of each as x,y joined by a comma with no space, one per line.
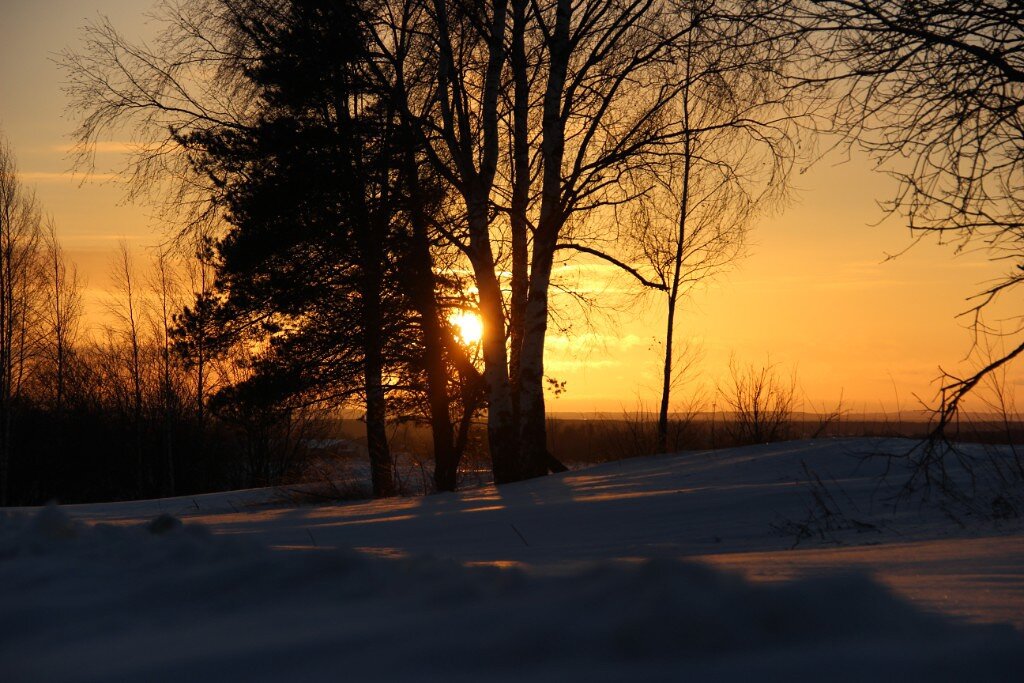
606,115
591,86
733,160
165,290
126,309
20,235
63,313
934,89
760,403
154,95
192,334
463,143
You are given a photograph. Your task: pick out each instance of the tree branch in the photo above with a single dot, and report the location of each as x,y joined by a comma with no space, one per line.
615,262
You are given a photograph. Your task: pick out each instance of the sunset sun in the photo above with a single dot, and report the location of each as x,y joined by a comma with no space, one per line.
468,326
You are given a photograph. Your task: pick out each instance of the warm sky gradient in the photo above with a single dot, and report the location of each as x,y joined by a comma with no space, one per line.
813,293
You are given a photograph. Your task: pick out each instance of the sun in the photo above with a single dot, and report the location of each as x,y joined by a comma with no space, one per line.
468,326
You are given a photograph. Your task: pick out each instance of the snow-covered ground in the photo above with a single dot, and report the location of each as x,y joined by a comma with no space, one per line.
665,568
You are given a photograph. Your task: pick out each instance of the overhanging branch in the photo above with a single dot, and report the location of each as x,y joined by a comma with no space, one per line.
957,389
661,286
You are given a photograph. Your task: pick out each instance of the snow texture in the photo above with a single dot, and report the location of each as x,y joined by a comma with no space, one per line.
162,599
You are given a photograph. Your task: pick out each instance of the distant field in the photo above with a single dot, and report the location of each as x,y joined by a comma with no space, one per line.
603,437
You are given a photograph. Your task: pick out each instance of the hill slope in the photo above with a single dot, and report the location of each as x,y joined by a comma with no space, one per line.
601,574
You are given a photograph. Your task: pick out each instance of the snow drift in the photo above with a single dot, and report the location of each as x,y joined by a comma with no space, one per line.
169,601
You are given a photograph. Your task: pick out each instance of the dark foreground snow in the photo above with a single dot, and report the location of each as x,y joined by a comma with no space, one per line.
165,601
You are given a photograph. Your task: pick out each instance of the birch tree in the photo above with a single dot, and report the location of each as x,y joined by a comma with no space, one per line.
591,84
732,162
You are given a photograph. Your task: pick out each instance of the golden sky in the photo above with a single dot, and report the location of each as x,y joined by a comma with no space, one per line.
814,293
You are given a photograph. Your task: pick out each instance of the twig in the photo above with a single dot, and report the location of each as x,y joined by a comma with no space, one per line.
521,537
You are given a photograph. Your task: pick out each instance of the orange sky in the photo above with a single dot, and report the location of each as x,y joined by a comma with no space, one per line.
813,294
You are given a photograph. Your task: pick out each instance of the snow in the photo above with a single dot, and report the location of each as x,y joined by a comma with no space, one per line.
662,568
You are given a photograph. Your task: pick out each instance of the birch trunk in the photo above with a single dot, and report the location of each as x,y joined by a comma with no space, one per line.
520,197
677,268
501,432
533,428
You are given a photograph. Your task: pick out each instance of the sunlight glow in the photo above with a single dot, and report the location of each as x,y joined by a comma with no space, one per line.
468,326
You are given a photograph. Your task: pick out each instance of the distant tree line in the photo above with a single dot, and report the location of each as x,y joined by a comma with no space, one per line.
123,412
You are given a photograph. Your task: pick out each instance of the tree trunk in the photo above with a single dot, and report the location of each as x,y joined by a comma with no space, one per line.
381,466
5,355
167,478
476,171
533,427
666,384
167,481
501,432
520,198
423,287
666,380
677,267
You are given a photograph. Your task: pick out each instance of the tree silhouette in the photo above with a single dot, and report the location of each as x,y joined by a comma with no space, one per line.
733,160
307,194
937,88
362,154
21,287
591,85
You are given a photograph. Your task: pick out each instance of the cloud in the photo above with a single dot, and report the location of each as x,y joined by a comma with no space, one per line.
582,343
108,147
561,365
102,237
62,176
